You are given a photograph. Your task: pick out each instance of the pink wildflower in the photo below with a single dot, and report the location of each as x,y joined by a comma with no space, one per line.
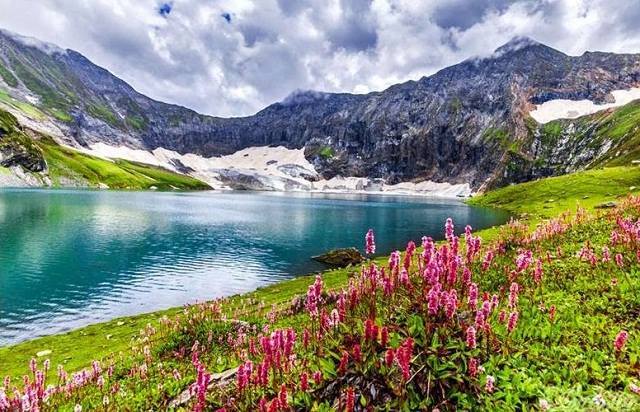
403,356
471,337
357,353
448,229
473,367
384,336
466,276
283,398
502,316
350,400
513,295
389,356
552,313
317,377
473,296
433,299
488,258
344,360
304,382
404,277
451,304
370,242
513,321
537,273
621,340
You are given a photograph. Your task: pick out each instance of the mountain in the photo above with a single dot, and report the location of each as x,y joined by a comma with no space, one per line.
468,123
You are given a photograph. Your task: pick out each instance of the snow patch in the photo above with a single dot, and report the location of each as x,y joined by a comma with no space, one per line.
571,109
270,168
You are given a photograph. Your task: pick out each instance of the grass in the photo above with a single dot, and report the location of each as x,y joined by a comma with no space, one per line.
546,198
619,127
66,164
327,152
101,111
7,76
536,367
26,108
76,349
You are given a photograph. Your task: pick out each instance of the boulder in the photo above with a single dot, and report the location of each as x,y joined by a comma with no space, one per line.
606,205
340,257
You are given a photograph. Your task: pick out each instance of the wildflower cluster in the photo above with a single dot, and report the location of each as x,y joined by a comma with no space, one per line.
420,331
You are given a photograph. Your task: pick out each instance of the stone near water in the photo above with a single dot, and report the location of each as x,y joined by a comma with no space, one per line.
340,257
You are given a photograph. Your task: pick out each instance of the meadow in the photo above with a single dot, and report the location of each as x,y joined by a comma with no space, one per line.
538,314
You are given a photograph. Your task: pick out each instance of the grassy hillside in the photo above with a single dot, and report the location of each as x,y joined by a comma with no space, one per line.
564,338
546,198
67,166
613,135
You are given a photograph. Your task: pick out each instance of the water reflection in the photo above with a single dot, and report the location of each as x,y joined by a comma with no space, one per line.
69,258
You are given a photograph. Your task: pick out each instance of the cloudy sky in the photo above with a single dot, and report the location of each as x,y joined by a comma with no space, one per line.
230,58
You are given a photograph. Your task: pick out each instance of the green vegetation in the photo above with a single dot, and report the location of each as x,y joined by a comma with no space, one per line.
15,141
66,166
574,301
61,115
26,108
551,133
619,128
327,152
136,122
499,135
7,76
545,198
77,348
50,97
70,165
103,112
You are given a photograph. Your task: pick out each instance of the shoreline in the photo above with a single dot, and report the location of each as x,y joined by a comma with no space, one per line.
76,348
403,193
210,196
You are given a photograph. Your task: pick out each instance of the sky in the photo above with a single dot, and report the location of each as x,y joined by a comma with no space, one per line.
233,58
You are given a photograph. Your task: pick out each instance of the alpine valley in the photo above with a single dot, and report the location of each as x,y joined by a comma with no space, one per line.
524,111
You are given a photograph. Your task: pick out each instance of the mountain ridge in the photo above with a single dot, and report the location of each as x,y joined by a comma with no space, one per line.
463,124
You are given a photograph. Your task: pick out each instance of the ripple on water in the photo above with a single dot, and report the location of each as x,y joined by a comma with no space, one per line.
70,258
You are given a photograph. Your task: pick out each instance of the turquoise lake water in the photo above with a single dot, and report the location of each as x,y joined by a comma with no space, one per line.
69,258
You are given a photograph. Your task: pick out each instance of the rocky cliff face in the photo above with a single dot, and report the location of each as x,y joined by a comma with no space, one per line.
467,123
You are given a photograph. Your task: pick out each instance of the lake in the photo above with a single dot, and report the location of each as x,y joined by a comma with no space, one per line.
69,258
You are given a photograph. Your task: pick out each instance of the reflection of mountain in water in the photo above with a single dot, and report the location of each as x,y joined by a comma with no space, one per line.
74,257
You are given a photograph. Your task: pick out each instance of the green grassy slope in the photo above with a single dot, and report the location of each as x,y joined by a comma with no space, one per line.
68,167
66,164
546,198
620,127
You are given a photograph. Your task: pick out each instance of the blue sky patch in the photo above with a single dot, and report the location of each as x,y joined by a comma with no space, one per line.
165,9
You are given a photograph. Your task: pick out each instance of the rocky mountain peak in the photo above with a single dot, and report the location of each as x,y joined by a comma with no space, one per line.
463,124
521,47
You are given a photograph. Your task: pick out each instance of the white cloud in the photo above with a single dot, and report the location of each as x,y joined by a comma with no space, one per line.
263,50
